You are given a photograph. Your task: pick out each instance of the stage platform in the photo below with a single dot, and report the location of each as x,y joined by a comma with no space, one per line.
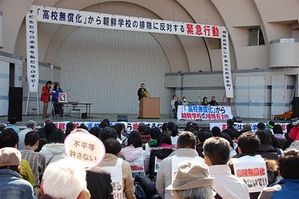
97,117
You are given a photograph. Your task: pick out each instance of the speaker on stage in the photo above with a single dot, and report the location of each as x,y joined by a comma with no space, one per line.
15,103
295,106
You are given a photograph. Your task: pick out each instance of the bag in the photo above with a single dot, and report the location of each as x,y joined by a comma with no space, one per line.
139,193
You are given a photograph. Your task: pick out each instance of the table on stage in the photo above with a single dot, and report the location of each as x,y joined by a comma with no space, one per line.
75,106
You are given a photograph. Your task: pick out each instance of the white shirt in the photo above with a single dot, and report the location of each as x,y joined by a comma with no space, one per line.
227,185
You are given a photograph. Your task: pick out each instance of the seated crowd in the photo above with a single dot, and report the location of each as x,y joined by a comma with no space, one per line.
153,163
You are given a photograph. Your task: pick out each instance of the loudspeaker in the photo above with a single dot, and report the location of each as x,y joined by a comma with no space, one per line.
15,103
295,107
122,118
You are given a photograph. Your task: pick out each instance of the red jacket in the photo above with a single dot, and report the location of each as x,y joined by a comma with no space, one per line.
45,96
294,133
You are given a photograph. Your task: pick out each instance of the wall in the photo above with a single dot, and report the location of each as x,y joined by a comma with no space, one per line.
106,67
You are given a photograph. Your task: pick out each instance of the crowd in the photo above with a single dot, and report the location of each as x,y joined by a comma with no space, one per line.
152,162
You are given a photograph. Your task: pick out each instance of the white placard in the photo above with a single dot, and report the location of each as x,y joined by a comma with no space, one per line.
253,171
84,148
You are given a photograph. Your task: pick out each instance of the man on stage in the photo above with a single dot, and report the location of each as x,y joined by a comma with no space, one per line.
142,92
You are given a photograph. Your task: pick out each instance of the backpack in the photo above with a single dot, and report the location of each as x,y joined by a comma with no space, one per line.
139,193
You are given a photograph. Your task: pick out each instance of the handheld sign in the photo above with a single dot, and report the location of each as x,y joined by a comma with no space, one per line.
62,98
252,170
84,148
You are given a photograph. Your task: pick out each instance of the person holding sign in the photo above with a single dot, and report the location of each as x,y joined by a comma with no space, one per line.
169,166
216,154
119,169
248,165
58,107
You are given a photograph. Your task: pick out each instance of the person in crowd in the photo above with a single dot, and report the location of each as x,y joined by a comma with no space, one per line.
261,126
184,101
36,160
44,133
216,155
177,103
12,125
163,151
145,136
96,179
205,101
213,101
64,179
192,181
185,150
111,160
232,144
172,130
45,97
83,126
96,131
31,126
9,138
288,186
172,105
294,132
246,128
58,106
120,129
12,184
135,154
270,124
2,126
231,129
154,133
142,92
70,126
201,135
54,149
279,138
192,126
108,132
216,131
104,123
266,149
248,144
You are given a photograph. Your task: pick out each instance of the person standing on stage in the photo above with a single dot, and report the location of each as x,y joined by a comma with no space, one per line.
55,100
142,92
45,97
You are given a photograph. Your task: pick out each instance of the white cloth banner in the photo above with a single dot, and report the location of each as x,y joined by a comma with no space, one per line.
252,169
199,112
32,50
227,75
120,22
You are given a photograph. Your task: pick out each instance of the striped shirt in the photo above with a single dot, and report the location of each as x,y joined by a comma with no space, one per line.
37,163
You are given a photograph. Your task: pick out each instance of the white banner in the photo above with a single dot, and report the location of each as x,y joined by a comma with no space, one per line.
227,75
32,50
130,126
120,22
199,112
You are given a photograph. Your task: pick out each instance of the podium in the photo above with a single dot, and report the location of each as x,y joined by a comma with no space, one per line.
149,107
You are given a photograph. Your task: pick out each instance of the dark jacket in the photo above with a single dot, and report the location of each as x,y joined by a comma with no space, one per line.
161,154
99,185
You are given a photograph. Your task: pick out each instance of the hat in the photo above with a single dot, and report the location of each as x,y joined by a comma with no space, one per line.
10,156
191,175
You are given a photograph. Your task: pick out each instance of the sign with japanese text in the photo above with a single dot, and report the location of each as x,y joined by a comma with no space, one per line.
227,75
130,126
199,112
120,22
252,170
239,126
32,50
84,147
